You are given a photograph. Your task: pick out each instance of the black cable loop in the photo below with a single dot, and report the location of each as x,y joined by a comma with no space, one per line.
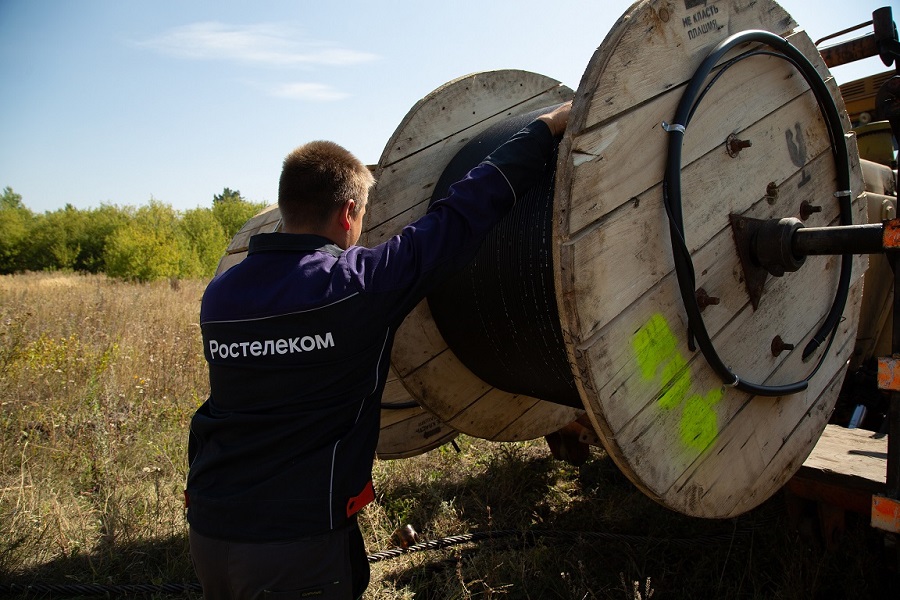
672,200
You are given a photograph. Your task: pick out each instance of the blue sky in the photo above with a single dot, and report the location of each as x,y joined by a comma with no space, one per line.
121,102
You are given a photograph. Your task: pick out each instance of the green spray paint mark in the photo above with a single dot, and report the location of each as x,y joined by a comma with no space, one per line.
654,345
678,375
698,427
656,350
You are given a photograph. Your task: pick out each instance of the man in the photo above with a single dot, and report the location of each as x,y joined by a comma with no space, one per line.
298,338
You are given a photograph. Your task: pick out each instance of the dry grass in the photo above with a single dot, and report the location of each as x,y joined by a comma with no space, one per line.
98,380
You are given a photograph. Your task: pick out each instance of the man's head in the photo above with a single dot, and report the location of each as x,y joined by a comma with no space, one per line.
324,186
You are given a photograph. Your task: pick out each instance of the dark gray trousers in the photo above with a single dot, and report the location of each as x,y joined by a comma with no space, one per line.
330,566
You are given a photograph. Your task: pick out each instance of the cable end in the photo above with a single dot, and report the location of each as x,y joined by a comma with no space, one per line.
811,347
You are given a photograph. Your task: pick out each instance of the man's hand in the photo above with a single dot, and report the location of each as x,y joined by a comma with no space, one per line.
557,119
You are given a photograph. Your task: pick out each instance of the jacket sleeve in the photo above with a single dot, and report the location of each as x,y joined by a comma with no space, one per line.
524,156
444,240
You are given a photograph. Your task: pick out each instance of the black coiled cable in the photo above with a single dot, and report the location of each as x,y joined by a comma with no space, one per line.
684,267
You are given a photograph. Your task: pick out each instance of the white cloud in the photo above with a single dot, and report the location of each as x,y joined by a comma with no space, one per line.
309,91
267,44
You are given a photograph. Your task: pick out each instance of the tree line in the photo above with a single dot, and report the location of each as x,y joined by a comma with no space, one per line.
141,243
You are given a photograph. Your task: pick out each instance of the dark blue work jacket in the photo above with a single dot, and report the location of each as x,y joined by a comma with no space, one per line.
298,339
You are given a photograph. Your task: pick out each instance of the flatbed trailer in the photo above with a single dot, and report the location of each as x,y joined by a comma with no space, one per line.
846,470
852,469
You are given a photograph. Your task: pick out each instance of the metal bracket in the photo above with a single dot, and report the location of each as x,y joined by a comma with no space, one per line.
886,513
889,374
744,230
765,248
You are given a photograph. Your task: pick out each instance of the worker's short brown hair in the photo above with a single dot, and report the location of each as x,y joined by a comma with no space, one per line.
316,179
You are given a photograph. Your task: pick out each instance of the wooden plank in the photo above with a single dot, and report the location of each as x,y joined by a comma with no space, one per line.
709,259
466,102
395,393
264,221
854,457
420,341
519,418
638,134
229,260
408,181
760,464
633,406
445,386
846,467
648,420
470,405
412,432
668,40
394,225
829,494
629,239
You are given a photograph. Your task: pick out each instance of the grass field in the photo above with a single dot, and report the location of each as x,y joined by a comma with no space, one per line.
99,378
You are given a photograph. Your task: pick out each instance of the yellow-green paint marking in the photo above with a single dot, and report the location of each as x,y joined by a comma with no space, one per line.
656,350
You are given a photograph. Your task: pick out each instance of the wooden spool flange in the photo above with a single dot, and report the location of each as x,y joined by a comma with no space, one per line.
405,430
672,426
430,135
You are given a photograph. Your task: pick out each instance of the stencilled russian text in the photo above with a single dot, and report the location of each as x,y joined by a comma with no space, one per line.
307,343
701,21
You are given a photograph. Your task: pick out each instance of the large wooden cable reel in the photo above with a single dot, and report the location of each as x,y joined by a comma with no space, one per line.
673,427
430,136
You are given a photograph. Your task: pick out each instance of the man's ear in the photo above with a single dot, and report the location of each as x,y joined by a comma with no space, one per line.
344,214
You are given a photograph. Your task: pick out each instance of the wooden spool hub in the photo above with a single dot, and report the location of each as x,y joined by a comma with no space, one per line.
686,439
427,139
407,429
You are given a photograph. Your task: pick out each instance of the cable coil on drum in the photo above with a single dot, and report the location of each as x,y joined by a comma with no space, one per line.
499,314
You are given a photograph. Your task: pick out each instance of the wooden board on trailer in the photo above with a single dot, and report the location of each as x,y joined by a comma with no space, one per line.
854,458
430,135
846,470
672,426
410,430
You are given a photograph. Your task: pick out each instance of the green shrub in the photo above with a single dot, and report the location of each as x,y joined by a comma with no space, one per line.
151,246
14,223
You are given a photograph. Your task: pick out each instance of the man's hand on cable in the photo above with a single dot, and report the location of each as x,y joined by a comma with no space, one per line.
558,118
522,157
